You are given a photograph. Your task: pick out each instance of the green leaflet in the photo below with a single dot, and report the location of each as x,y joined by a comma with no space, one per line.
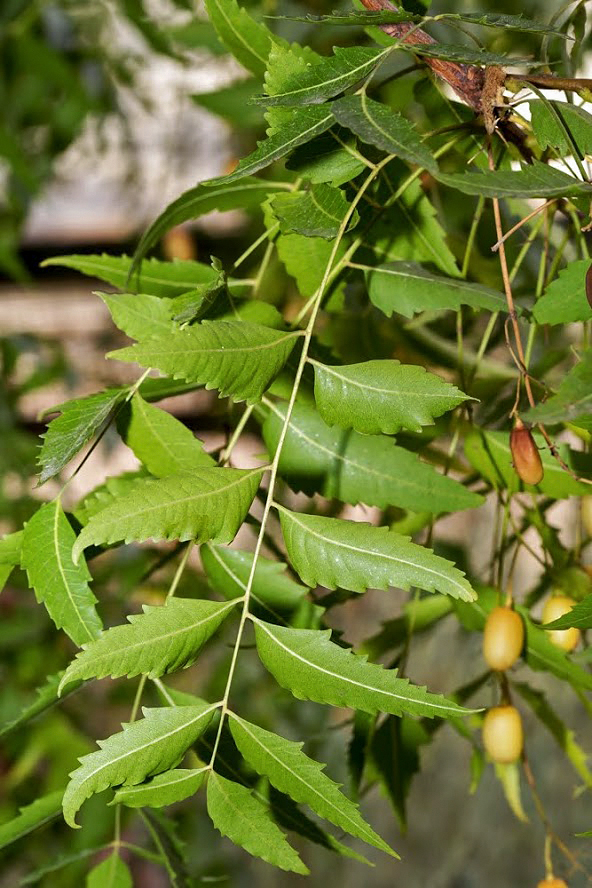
459,53
288,815
378,125
80,420
228,571
356,468
239,358
573,398
206,504
301,778
489,453
161,640
323,80
106,493
140,315
111,872
45,696
202,199
302,126
564,301
509,777
59,584
155,277
535,180
146,747
249,41
41,811
407,288
388,16
312,667
161,442
382,396
236,813
164,789
561,733
318,212
10,555
553,121
326,160
334,552
410,229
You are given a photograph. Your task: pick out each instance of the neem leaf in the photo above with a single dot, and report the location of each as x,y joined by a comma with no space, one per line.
62,586
550,120
382,396
161,640
573,398
164,789
140,315
236,813
155,277
564,301
146,747
312,667
159,440
407,288
379,125
80,420
353,555
356,468
535,180
239,358
206,504
111,872
318,212
31,817
301,778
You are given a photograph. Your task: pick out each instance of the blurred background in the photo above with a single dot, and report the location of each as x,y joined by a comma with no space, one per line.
108,110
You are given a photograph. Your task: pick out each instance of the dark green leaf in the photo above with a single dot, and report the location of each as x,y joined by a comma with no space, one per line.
236,813
550,120
384,128
318,212
164,789
80,420
573,398
535,180
39,812
564,301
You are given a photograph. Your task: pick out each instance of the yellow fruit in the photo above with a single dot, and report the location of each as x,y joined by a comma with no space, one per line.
552,883
525,455
502,734
556,606
587,514
503,638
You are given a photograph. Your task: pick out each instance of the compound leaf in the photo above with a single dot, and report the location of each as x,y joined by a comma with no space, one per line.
146,747
236,813
237,357
161,640
382,396
312,667
59,584
207,504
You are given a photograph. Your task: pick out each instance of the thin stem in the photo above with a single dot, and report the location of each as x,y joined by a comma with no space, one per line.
278,452
138,698
179,572
227,452
522,222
